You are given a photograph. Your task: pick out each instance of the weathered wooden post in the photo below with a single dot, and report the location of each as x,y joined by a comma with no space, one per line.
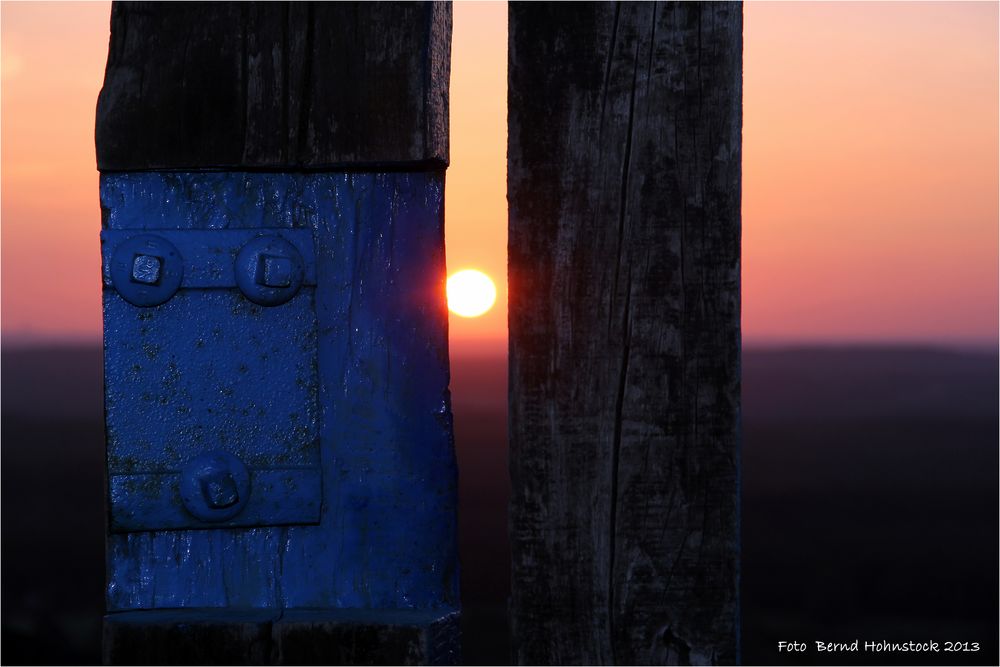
281,474
624,269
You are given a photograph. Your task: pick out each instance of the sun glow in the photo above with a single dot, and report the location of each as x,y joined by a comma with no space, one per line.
470,293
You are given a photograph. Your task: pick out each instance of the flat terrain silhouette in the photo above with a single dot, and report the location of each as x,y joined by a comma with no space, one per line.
870,484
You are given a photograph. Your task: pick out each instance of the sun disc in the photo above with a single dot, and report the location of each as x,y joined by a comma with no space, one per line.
470,293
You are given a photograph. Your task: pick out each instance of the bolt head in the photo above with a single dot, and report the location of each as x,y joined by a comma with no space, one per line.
269,270
219,490
274,271
146,269
214,486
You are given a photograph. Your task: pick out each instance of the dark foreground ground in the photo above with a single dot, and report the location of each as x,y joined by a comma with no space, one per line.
870,503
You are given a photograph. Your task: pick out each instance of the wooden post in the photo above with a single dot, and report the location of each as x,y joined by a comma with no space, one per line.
624,267
281,473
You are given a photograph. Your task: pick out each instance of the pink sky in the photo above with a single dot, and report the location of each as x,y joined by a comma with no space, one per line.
870,191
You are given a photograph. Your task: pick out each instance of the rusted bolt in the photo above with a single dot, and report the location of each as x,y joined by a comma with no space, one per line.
215,486
269,270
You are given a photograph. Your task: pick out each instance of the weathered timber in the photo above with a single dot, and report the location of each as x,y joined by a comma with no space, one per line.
382,637
190,375
281,468
188,636
300,637
624,175
269,85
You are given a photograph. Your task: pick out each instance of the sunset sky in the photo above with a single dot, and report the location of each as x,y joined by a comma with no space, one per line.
870,170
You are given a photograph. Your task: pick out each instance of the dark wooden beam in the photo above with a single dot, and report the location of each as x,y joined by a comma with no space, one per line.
624,266
283,85
281,472
297,637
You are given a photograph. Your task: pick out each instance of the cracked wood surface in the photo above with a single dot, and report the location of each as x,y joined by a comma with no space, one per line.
276,86
624,162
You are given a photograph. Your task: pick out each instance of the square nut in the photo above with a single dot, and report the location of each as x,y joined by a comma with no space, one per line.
146,269
275,271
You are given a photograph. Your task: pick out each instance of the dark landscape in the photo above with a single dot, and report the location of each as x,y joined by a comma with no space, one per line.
870,503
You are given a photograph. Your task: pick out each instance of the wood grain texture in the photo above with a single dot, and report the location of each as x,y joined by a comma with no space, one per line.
270,637
624,162
276,86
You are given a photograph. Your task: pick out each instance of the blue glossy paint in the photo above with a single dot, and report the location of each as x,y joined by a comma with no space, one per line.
209,371
277,497
208,257
146,269
344,388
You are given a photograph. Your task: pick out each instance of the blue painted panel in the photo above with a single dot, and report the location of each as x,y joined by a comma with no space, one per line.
207,371
386,532
210,370
209,256
278,496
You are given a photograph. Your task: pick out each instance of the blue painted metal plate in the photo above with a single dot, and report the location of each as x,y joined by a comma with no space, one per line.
282,496
206,371
386,537
209,255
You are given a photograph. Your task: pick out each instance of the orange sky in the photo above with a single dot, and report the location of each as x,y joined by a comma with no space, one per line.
870,191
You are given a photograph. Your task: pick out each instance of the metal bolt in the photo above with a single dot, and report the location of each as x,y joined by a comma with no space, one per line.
215,486
269,270
146,269
274,271
219,490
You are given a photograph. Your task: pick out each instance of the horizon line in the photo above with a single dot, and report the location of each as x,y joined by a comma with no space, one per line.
21,341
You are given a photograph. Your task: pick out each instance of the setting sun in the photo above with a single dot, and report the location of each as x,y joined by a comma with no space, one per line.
470,293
